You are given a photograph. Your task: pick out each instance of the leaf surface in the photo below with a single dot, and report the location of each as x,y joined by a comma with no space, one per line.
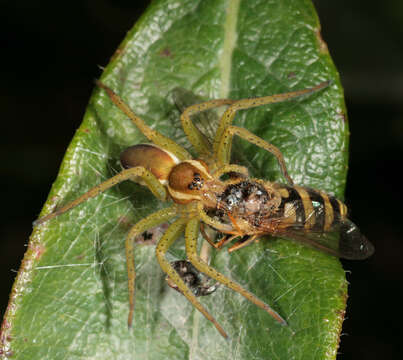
70,297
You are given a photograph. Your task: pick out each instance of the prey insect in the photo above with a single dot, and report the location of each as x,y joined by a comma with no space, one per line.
237,207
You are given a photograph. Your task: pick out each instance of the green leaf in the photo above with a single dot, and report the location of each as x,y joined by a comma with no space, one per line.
70,299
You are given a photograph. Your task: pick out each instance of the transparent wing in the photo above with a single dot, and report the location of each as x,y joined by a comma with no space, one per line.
343,239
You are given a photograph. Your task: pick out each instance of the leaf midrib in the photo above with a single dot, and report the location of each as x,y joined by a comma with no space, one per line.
230,37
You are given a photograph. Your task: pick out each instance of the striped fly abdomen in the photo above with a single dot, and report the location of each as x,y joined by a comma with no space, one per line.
310,209
319,220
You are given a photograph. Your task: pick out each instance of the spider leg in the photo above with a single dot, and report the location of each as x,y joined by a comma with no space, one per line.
223,139
128,174
225,228
224,149
229,114
217,245
171,234
152,135
219,226
195,136
191,234
150,221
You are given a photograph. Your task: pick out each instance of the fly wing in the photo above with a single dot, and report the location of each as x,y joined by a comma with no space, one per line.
343,239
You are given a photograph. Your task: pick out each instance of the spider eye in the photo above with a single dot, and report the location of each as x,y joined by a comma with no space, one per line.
197,182
186,180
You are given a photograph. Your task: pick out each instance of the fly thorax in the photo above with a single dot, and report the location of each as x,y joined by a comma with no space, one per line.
249,199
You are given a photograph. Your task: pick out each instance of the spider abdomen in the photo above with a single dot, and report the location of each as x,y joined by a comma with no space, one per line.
159,161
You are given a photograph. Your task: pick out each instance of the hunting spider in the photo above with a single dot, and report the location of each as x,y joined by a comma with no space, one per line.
193,186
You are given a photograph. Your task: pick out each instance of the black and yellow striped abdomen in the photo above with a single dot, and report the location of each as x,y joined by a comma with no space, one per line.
310,209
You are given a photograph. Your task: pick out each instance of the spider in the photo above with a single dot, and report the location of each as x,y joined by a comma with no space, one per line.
191,185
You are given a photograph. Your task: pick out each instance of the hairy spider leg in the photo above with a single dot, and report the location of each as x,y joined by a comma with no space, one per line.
191,234
194,135
225,228
149,222
228,116
222,148
226,140
171,234
152,135
128,174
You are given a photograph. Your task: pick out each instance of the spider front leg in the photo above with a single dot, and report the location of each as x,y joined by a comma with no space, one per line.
224,149
149,179
194,135
191,234
228,116
152,135
171,234
149,222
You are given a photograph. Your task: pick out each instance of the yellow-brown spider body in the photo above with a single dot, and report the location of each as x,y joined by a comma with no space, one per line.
238,206
159,161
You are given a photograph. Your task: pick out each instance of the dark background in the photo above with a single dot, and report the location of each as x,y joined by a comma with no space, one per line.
50,52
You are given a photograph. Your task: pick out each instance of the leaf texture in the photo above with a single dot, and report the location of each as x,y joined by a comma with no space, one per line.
70,299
